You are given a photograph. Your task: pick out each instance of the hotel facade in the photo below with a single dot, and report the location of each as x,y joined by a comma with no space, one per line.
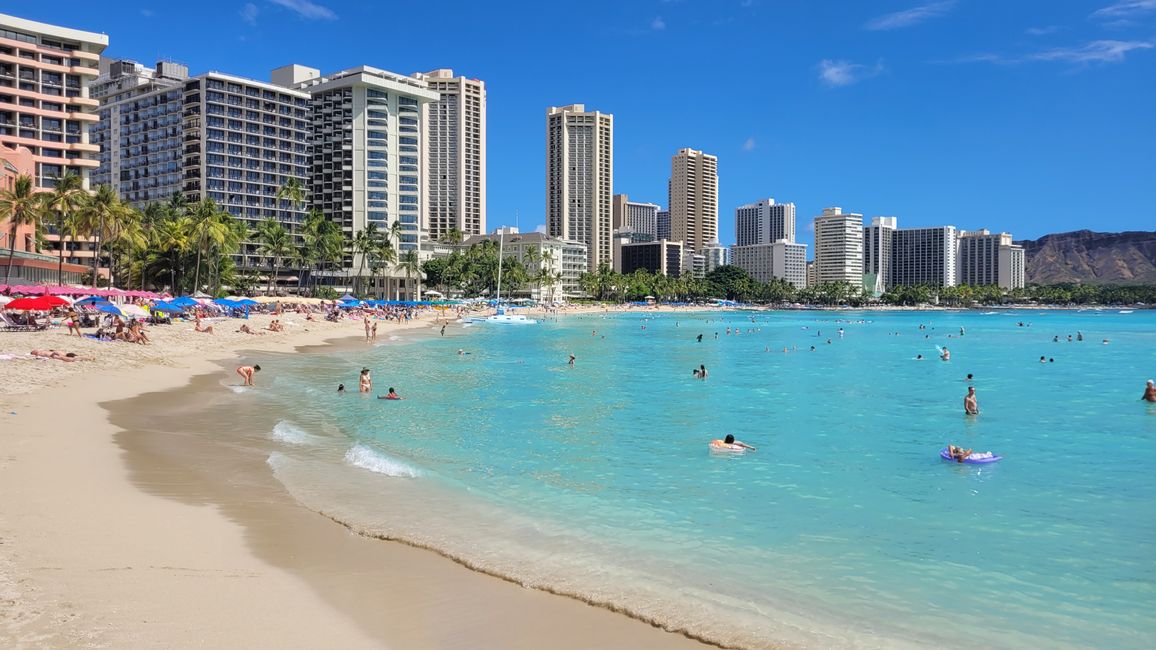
693,198
839,247
764,222
580,179
453,155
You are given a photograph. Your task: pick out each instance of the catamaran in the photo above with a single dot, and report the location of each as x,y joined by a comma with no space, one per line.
501,316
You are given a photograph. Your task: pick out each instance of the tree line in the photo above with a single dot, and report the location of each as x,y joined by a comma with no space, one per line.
187,246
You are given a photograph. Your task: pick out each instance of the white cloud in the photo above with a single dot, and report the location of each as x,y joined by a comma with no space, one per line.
749,145
1106,51
1092,52
1125,8
1041,31
845,73
540,228
909,17
307,9
658,24
249,13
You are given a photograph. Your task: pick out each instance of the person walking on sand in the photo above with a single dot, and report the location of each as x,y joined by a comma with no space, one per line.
1149,392
970,404
365,382
247,373
367,325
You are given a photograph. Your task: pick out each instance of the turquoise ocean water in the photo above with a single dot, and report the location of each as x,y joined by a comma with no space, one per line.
844,529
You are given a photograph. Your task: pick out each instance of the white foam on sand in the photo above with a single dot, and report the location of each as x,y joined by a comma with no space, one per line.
361,456
292,434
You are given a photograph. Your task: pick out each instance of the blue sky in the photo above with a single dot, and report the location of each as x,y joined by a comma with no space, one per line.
1029,116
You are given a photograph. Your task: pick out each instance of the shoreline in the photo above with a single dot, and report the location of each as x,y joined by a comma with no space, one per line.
89,551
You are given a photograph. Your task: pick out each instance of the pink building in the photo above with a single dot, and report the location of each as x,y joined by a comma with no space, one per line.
16,162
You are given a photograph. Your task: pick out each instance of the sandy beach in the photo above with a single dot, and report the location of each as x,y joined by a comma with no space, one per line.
104,544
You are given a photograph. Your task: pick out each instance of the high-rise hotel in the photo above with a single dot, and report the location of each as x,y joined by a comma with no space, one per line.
580,179
839,247
45,74
46,113
454,157
765,243
366,135
236,141
693,200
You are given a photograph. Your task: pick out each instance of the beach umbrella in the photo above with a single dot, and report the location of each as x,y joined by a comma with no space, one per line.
91,301
247,302
4,300
183,301
166,307
134,311
55,301
39,303
347,297
108,308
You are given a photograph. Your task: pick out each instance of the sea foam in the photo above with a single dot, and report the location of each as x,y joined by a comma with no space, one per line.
361,456
292,434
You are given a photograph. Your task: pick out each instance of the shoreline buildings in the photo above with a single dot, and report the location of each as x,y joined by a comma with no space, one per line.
839,247
640,218
580,179
990,258
765,245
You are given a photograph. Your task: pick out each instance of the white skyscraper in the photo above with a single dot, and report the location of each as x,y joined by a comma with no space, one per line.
781,259
454,145
764,222
580,179
839,247
878,239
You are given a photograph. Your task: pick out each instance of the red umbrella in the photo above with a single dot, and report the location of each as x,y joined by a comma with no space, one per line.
56,301
40,303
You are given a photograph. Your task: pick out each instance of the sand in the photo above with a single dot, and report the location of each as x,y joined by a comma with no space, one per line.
104,545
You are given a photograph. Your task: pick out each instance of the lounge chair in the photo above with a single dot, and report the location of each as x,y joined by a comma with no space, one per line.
9,324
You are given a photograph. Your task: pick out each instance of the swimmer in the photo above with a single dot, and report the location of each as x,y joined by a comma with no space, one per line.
247,373
812,348
700,372
945,355
730,441
1149,392
391,395
340,389
1051,360
961,331
970,403
1079,336
571,359
919,357
958,454
969,377
1043,360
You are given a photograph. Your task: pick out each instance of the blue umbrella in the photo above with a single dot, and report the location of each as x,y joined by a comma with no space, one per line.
247,302
347,297
108,308
184,301
224,302
166,307
92,301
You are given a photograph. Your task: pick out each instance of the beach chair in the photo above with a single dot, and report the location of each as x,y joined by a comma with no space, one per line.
9,324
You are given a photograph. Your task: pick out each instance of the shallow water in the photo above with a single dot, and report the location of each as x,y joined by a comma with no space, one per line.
844,529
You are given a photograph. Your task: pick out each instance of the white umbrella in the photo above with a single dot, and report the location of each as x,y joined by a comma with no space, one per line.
134,311
4,300
431,292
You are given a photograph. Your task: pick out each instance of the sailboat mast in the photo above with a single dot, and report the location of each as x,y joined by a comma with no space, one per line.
501,240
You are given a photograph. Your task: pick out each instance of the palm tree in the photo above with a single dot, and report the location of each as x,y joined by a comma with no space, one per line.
64,202
171,240
19,206
274,242
292,191
453,236
364,243
385,256
100,216
211,229
411,264
124,234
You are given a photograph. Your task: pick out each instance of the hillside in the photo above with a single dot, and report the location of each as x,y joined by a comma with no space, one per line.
1091,258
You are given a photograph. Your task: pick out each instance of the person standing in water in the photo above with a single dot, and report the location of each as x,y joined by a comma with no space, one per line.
247,373
970,403
1149,392
572,359
699,372
945,354
365,382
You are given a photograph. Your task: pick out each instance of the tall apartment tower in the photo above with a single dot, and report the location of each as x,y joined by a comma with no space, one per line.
642,218
764,222
367,131
878,239
454,155
987,258
693,198
839,247
140,134
45,104
580,179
